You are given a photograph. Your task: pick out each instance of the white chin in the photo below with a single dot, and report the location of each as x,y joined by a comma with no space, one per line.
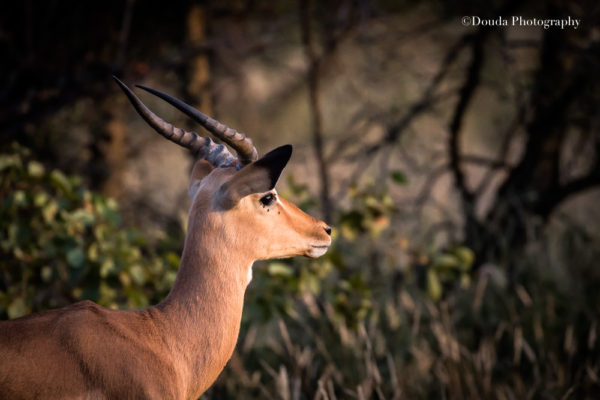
317,251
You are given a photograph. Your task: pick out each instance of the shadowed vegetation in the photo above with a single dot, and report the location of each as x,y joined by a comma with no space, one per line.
458,166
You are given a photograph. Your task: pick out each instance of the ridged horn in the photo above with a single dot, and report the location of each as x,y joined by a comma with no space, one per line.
204,147
236,140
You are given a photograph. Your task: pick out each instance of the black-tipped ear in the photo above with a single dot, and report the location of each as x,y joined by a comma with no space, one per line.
258,177
275,161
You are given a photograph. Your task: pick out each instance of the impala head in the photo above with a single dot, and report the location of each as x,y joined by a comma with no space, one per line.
235,197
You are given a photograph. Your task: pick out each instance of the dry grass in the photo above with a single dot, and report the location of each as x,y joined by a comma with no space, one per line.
485,342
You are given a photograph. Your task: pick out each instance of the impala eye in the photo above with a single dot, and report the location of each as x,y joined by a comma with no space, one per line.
267,199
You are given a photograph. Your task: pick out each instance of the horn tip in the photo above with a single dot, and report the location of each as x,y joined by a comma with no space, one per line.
147,89
120,82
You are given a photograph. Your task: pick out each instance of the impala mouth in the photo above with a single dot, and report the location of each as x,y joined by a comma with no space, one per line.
317,250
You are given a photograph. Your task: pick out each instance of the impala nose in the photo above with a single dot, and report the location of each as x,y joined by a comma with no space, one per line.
328,230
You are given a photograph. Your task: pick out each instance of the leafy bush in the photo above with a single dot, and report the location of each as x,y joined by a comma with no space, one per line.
60,243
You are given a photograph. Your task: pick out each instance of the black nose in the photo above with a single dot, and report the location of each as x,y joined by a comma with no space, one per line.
328,230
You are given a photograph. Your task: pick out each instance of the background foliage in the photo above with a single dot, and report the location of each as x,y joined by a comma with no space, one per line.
459,167
329,328
73,245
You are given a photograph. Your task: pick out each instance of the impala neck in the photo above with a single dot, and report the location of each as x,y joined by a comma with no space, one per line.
203,310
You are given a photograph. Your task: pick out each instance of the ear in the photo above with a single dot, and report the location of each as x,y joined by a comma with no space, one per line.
258,177
200,170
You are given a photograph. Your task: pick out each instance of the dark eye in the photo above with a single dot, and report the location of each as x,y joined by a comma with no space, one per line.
267,199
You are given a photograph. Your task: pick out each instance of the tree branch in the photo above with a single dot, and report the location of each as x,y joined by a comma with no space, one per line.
588,181
314,72
466,94
394,130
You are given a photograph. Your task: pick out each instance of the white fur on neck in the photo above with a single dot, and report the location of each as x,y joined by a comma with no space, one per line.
250,273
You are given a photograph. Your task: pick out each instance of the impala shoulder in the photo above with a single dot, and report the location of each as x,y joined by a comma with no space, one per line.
82,316
88,305
84,310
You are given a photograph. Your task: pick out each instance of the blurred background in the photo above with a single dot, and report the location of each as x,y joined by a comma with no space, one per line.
459,166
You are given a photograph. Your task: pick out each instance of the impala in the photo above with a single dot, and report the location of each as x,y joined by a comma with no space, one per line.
176,349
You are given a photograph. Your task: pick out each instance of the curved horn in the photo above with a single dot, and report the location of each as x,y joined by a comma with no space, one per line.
204,147
236,140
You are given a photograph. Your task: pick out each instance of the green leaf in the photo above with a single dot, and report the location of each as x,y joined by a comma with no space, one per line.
138,274
465,280
40,199
17,308
109,211
107,267
173,259
9,161
49,211
46,273
446,261
35,169
434,287
279,269
92,252
75,257
20,198
466,257
82,215
399,177
61,182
